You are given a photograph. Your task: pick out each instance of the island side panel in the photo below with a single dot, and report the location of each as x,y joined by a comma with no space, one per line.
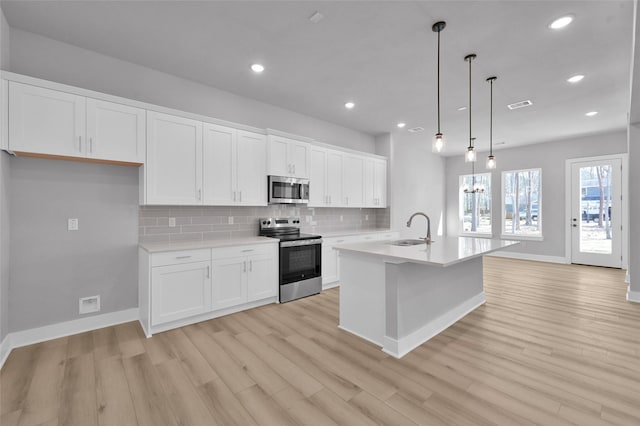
362,296
423,300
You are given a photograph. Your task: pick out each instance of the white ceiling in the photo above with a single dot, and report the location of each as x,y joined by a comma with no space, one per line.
379,54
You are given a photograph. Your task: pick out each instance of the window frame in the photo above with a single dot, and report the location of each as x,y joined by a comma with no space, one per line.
461,194
503,213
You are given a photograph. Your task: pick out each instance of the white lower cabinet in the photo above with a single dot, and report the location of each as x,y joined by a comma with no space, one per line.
330,259
182,287
180,291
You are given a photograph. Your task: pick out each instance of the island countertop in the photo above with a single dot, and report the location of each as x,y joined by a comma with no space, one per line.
443,252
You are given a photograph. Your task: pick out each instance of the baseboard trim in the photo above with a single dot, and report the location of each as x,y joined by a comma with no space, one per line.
633,296
359,335
5,349
528,256
404,345
63,329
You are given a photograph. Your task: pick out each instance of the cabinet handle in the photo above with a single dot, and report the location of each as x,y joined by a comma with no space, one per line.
294,169
329,199
199,194
240,196
183,257
208,271
250,265
80,143
91,145
247,250
234,195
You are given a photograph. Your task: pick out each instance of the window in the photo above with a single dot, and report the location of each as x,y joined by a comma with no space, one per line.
475,207
521,203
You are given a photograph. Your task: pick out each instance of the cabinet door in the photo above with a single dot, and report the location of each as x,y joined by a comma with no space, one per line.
262,277
180,291
174,160
334,178
229,282
115,132
219,159
251,169
369,183
279,164
380,188
45,121
317,178
353,183
300,158
330,272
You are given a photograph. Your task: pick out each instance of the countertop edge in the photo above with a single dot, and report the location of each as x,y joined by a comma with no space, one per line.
152,248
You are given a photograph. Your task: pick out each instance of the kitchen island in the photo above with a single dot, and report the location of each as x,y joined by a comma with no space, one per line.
398,297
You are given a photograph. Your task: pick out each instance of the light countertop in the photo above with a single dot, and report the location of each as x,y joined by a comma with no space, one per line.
442,252
332,234
195,245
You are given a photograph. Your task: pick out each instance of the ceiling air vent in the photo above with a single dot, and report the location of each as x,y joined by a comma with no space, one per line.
520,104
416,129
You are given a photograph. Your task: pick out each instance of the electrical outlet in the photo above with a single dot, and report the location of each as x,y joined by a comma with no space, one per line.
230,220
86,305
172,222
72,224
341,218
366,217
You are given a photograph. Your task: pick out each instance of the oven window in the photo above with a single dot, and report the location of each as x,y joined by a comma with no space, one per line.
299,263
289,191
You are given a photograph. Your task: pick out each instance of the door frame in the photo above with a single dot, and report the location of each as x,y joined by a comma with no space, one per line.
624,159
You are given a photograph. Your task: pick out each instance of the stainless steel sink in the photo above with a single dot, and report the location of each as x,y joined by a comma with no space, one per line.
409,242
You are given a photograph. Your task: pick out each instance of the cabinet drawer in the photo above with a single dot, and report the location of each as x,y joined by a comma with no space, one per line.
178,257
236,251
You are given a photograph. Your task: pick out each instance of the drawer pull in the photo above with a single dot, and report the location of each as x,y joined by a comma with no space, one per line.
247,251
183,257
340,241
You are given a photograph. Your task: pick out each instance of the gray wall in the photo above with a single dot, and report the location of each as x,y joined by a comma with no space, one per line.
45,58
4,200
51,268
416,185
550,157
210,223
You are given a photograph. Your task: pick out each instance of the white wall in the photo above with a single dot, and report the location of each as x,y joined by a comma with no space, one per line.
4,201
417,184
550,157
48,59
634,208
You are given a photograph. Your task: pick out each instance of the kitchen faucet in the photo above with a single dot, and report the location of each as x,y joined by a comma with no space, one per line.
426,239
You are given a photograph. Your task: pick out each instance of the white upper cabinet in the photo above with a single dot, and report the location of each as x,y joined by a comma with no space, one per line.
51,122
251,169
353,180
325,183
289,157
46,121
115,132
375,182
234,166
174,160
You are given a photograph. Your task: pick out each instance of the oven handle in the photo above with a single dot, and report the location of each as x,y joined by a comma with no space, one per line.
301,243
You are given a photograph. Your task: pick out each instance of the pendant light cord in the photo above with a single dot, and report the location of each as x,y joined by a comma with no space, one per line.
439,81
491,118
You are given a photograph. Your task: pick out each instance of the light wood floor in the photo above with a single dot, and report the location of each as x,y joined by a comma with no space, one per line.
554,345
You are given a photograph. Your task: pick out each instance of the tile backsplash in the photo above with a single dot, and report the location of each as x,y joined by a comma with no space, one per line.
207,223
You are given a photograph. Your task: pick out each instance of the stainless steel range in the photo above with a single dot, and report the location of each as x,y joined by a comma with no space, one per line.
300,257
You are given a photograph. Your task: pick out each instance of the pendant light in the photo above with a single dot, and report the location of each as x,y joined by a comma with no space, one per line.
476,187
491,160
438,142
470,155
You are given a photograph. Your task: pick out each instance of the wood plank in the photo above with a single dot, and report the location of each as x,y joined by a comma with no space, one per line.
115,404
78,399
223,404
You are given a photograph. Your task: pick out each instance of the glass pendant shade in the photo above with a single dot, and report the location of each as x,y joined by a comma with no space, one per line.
491,162
437,145
470,156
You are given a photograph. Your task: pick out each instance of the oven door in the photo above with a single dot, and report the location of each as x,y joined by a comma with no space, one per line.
300,260
284,190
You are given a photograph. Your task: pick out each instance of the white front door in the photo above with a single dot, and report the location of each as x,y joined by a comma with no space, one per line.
596,212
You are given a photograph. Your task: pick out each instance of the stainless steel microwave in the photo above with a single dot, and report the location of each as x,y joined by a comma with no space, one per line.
287,190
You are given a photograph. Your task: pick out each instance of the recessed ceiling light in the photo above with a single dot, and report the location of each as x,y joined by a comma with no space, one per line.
576,78
401,125
561,22
591,113
257,68
462,108
520,104
416,129
349,105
